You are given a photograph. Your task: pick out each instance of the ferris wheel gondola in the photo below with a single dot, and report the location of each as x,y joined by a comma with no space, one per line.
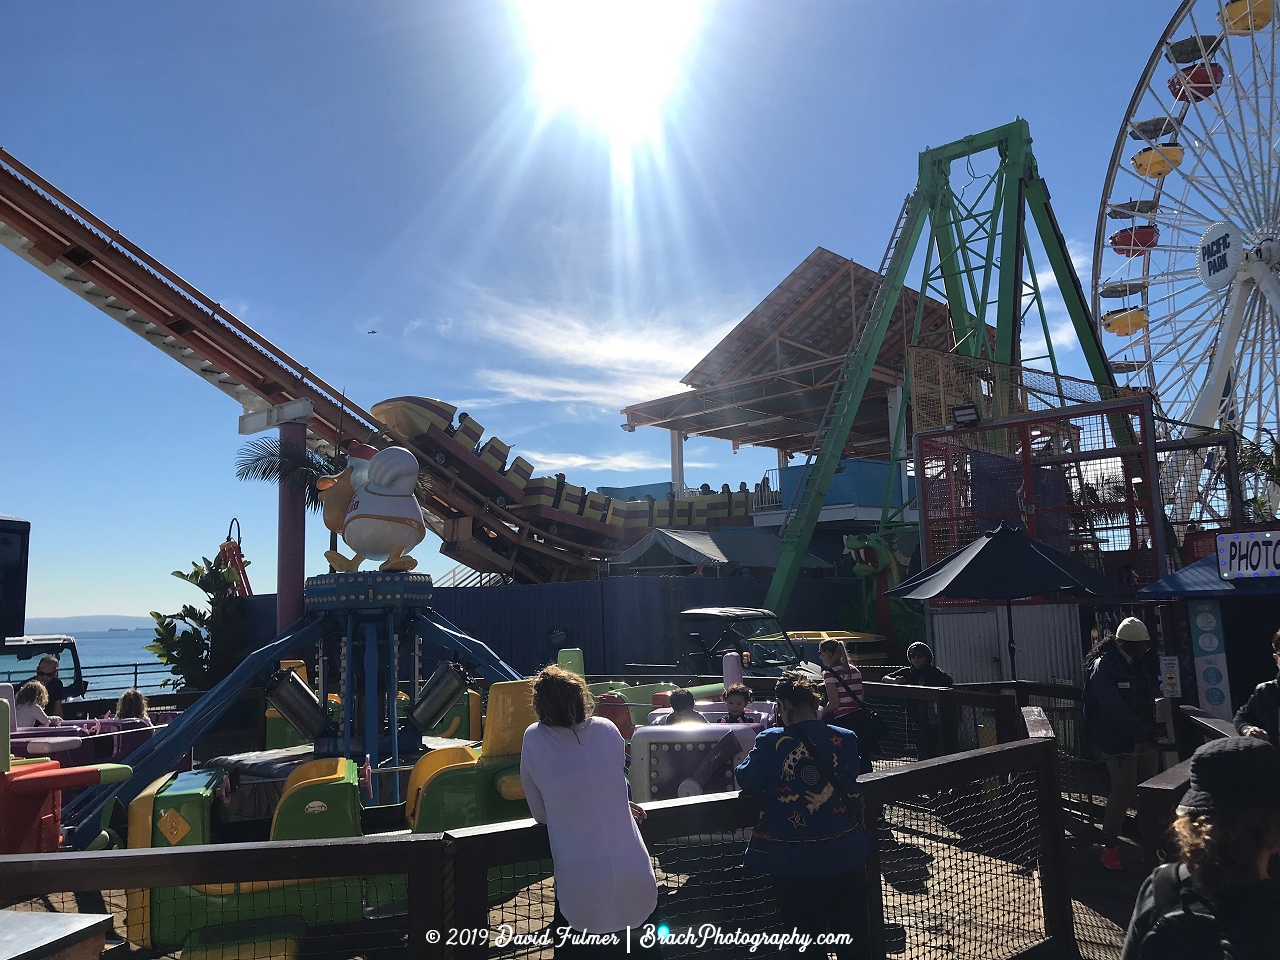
1185,284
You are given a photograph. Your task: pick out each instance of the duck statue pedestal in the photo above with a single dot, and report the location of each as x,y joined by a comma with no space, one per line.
371,628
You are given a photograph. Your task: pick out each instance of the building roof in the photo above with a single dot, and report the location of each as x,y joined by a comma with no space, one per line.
1201,579
768,381
737,546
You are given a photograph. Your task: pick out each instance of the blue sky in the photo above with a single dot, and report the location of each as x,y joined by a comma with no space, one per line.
326,169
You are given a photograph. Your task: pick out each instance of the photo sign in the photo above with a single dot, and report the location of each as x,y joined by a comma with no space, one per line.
1247,555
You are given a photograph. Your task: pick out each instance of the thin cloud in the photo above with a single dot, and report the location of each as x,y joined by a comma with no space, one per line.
588,357
621,462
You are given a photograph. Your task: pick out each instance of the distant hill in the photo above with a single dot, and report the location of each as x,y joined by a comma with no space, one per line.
88,624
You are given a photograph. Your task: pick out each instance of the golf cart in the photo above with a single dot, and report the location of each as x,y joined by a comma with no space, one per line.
755,634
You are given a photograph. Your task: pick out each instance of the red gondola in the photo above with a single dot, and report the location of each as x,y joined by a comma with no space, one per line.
1196,83
1132,241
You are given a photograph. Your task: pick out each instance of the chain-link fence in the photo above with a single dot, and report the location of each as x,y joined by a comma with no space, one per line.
940,382
1077,479
965,856
334,898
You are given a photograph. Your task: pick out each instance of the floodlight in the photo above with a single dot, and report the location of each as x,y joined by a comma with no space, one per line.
966,415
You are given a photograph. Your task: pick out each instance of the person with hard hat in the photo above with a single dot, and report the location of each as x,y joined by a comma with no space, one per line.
1120,721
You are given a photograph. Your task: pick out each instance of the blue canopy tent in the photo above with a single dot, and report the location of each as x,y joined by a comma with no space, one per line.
1201,579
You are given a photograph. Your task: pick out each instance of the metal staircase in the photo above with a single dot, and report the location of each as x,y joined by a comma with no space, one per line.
829,440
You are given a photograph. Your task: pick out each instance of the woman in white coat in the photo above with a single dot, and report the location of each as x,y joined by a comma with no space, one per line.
572,767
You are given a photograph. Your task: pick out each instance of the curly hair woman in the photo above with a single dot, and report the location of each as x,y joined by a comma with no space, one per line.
809,838
1220,898
572,767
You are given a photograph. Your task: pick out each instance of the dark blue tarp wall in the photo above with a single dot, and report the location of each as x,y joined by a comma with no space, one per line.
621,620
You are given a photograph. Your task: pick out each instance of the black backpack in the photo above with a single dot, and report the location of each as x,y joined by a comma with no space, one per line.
1185,926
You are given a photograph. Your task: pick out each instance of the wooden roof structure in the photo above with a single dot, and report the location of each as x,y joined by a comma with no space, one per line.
768,381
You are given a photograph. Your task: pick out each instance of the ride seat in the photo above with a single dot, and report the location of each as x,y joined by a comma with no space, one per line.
594,506
6,693
613,707
662,513
637,515
519,472
468,433
412,416
682,513
428,766
494,454
571,499
321,800
616,515
539,492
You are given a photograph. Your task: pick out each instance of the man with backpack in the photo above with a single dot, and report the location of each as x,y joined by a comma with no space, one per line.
1220,899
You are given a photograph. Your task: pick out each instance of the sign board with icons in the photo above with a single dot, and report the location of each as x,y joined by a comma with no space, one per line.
1209,647
1248,555
1170,678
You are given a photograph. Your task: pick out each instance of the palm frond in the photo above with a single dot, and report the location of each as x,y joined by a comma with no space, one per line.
293,465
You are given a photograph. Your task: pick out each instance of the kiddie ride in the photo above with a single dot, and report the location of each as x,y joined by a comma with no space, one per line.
31,794
376,763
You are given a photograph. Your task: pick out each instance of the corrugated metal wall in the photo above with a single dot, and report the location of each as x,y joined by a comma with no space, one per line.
972,643
621,620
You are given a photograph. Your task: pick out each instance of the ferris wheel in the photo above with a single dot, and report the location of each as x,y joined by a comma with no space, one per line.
1187,247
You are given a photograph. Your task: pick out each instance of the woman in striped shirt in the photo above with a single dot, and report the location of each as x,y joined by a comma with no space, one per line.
844,708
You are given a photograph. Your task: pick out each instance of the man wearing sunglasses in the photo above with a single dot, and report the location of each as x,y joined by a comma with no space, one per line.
47,673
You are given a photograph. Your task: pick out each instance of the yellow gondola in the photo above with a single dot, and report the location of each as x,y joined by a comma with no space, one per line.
1125,322
1243,17
1156,162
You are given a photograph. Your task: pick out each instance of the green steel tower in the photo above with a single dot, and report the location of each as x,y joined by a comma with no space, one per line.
978,260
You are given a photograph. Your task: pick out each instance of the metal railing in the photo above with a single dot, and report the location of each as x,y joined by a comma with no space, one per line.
767,495
107,679
967,851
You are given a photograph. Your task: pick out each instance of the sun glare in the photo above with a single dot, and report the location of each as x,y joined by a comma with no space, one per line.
613,62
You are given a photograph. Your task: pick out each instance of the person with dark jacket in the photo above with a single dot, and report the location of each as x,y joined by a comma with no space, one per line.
922,672
922,715
1221,898
809,839
1120,722
1260,716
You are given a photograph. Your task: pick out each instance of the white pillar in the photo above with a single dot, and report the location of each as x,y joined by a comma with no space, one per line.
677,462
782,460
897,450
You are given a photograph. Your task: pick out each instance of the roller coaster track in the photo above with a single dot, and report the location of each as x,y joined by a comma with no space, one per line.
96,262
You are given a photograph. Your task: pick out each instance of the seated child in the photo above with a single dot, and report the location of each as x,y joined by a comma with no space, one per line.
29,706
682,708
736,698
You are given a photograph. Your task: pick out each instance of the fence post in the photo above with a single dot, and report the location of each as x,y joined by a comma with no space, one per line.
872,812
1008,719
949,721
1055,895
424,875
470,897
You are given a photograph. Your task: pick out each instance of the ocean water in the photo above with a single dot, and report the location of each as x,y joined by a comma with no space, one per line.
115,646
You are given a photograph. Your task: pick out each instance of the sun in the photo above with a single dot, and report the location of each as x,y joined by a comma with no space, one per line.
614,63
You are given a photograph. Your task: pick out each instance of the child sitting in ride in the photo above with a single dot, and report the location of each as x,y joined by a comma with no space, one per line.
29,705
682,709
736,697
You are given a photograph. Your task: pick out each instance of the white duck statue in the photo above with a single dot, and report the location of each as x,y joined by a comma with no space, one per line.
372,506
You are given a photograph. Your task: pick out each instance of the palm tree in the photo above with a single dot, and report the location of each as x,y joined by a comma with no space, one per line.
1259,465
294,466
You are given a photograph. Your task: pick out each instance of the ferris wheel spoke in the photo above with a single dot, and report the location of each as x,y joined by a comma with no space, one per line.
1222,196
1242,99
1215,102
